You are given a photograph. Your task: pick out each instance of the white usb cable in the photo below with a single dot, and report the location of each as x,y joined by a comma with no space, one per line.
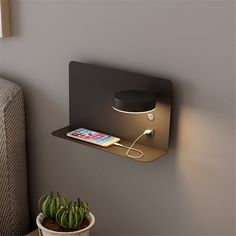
146,132
133,149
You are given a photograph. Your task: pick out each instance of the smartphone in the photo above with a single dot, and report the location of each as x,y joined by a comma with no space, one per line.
93,137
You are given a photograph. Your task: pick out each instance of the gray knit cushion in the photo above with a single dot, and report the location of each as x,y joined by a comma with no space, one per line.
14,210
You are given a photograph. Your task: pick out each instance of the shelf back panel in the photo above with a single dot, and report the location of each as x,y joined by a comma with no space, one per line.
91,89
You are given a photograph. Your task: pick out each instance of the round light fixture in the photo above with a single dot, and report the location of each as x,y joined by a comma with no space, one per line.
134,101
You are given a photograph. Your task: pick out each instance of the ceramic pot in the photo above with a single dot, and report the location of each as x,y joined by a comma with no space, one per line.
47,232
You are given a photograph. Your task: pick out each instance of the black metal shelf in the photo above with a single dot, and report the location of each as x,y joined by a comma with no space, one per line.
91,89
150,154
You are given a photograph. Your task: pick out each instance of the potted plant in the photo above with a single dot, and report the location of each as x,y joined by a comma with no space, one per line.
61,217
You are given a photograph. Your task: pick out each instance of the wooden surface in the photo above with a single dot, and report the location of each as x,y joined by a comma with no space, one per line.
5,18
34,233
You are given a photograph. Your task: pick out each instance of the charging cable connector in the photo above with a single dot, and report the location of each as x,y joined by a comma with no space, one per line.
149,132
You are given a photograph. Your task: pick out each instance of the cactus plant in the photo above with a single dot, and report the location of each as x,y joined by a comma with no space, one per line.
72,215
49,204
67,214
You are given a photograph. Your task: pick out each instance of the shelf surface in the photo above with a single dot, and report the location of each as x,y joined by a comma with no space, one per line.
33,233
150,154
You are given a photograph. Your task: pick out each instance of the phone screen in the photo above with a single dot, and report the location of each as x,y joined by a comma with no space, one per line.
93,136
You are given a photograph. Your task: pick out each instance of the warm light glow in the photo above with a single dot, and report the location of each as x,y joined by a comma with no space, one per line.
132,112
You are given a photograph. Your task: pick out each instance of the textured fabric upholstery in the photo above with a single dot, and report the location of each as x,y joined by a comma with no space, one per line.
14,210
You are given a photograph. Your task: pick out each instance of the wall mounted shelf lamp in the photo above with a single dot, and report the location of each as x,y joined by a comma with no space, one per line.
147,98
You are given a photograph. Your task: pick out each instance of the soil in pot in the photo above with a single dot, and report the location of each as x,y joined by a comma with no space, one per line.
51,224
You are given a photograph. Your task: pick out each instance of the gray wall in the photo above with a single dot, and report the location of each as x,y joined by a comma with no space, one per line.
189,192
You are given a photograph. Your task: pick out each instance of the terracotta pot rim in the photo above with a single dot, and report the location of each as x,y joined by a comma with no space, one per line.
40,217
